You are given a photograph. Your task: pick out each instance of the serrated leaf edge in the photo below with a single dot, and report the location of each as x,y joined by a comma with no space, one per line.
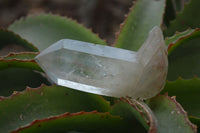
173,45
186,4
177,33
123,23
33,46
56,15
60,116
16,93
125,20
10,61
17,53
178,105
180,78
145,112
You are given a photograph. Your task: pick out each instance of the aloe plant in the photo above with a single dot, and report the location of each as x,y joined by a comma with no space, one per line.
29,103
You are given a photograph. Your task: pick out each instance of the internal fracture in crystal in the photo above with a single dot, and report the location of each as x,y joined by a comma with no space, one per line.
107,70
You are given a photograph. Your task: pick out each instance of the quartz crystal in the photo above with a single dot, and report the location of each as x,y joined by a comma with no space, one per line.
107,70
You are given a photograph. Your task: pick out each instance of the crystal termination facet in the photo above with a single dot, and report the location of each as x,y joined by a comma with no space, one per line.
107,70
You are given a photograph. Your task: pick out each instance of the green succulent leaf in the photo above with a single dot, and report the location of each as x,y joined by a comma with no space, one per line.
21,56
11,42
15,63
188,18
16,75
183,55
170,115
78,123
178,36
187,92
137,113
45,29
24,107
144,15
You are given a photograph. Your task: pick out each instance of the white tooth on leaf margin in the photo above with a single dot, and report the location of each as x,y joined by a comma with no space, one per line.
107,70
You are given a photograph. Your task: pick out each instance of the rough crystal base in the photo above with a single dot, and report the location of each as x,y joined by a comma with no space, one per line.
107,70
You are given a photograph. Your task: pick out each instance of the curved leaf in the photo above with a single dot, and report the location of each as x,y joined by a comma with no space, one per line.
135,29
188,18
173,39
78,122
21,56
137,113
184,56
15,75
187,92
171,116
22,108
11,42
45,29
15,63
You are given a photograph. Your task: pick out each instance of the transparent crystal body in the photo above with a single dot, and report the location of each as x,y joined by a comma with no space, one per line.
107,70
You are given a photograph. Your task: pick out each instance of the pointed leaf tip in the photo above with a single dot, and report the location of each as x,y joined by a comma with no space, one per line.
139,22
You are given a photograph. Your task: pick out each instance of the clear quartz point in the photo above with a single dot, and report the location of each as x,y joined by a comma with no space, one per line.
107,70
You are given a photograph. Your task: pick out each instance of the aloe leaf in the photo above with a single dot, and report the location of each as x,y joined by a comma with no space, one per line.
45,29
183,56
78,122
144,15
178,36
45,101
170,115
11,42
22,66
189,17
137,113
21,56
16,63
15,75
187,93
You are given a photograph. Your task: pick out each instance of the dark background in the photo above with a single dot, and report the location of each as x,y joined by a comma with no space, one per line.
102,16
